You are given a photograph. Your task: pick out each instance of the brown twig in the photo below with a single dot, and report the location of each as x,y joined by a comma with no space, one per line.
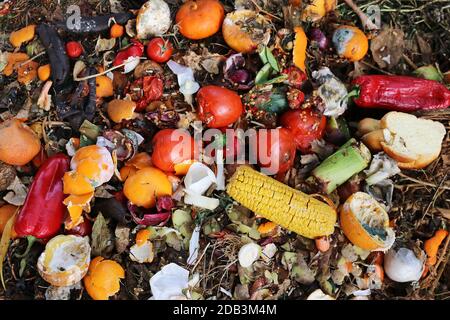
366,22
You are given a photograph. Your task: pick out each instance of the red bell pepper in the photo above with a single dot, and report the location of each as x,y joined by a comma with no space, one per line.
400,93
135,50
43,211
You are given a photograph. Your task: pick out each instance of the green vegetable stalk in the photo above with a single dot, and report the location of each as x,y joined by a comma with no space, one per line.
349,160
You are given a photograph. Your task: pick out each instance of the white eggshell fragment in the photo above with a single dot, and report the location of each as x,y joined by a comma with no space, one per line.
248,254
153,19
402,265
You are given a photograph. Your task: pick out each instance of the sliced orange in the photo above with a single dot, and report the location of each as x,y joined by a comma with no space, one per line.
365,223
300,43
145,185
103,278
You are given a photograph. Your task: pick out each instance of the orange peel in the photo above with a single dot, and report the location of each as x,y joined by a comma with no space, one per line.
119,110
17,38
105,87
300,43
95,163
365,223
103,278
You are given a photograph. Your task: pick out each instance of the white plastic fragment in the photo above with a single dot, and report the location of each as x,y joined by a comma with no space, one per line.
248,254
199,178
169,283
194,246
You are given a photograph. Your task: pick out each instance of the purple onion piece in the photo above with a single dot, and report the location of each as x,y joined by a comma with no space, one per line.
235,73
149,219
240,76
317,35
164,203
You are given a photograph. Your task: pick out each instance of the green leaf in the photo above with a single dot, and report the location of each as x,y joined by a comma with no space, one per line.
263,74
278,79
263,55
272,61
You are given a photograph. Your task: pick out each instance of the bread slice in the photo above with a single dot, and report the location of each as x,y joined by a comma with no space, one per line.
368,125
411,141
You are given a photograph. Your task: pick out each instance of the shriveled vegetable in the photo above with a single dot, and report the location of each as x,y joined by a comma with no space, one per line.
56,52
281,204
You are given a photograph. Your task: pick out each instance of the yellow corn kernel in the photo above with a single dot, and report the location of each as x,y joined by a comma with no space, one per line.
277,202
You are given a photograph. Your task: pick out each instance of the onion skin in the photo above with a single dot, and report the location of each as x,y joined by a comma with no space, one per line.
317,35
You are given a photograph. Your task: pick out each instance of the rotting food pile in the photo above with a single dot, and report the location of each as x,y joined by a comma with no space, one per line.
210,149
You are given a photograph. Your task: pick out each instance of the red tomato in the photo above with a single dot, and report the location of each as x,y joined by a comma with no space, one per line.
83,229
306,126
74,49
275,150
159,50
218,106
170,147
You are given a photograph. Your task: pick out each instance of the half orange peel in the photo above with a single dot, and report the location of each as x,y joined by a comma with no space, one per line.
103,278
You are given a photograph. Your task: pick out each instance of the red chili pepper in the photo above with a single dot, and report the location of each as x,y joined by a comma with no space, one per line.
43,212
135,50
400,93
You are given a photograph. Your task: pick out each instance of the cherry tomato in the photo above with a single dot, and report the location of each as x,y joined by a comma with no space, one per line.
218,106
275,150
74,49
306,126
171,147
159,50
83,229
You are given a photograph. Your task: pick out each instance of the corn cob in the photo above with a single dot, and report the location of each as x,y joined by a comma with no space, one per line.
275,201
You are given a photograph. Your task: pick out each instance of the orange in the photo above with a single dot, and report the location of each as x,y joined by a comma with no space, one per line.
363,222
139,161
18,143
116,31
104,87
199,19
23,35
103,278
300,43
145,185
317,9
238,33
350,42
6,212
44,72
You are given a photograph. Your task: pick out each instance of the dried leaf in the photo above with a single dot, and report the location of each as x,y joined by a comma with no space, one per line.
77,69
425,49
101,237
45,99
3,60
387,47
18,193
4,244
122,238
104,44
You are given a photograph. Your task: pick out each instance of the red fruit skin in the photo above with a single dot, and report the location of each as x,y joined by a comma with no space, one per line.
400,93
74,49
159,50
170,149
306,125
218,107
83,229
275,156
